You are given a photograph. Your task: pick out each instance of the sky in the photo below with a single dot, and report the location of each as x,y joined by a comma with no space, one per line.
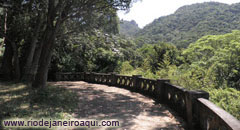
145,11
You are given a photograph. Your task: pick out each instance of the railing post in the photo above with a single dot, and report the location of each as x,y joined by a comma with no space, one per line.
82,76
57,77
135,81
190,98
113,79
160,89
91,77
85,76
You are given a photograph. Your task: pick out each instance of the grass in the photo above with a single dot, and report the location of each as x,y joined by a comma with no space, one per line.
20,101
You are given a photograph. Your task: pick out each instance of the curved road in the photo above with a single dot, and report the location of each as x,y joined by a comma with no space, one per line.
133,110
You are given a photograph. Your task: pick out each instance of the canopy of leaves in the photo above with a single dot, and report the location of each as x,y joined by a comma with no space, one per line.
219,55
158,56
91,51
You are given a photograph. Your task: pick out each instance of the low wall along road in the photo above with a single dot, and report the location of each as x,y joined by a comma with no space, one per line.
193,106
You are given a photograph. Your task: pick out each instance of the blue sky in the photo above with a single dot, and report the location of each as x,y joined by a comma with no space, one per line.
145,11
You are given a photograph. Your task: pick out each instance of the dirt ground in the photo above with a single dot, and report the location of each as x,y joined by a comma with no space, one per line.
134,111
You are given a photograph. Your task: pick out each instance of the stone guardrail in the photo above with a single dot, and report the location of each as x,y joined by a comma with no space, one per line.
193,106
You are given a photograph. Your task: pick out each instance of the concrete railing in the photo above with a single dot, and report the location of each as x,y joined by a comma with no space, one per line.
193,106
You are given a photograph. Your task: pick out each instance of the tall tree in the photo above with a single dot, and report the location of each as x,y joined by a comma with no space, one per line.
45,18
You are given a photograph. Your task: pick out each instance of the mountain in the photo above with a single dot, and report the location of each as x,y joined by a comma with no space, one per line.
191,22
128,28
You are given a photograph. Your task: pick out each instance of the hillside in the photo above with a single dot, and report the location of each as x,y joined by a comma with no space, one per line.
191,22
128,28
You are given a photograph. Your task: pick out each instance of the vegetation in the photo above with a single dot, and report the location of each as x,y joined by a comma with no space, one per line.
195,47
32,29
128,28
210,64
191,22
93,52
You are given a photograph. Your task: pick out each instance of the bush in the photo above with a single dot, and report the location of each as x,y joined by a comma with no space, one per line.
126,68
228,99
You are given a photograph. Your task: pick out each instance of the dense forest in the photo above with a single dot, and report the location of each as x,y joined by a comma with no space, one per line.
128,28
191,22
197,47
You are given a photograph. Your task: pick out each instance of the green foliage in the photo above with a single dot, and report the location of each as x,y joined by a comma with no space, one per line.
190,23
126,68
219,56
158,56
92,51
210,64
128,28
228,99
105,60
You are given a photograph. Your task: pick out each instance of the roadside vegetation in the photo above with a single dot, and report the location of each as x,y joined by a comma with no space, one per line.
196,48
212,64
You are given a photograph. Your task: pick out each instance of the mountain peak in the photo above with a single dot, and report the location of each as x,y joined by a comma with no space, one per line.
128,28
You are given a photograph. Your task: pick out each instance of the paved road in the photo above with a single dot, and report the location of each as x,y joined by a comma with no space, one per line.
133,110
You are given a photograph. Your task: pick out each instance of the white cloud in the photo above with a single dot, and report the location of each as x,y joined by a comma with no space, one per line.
146,11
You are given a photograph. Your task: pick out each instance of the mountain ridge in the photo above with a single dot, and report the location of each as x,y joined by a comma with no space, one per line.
190,22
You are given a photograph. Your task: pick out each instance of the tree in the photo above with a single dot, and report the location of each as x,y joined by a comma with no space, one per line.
48,17
158,54
218,56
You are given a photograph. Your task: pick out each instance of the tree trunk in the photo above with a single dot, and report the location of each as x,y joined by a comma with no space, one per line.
6,68
45,59
47,47
13,56
36,58
16,65
28,72
27,67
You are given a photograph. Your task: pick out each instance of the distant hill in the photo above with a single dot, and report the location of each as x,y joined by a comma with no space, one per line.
191,22
128,28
